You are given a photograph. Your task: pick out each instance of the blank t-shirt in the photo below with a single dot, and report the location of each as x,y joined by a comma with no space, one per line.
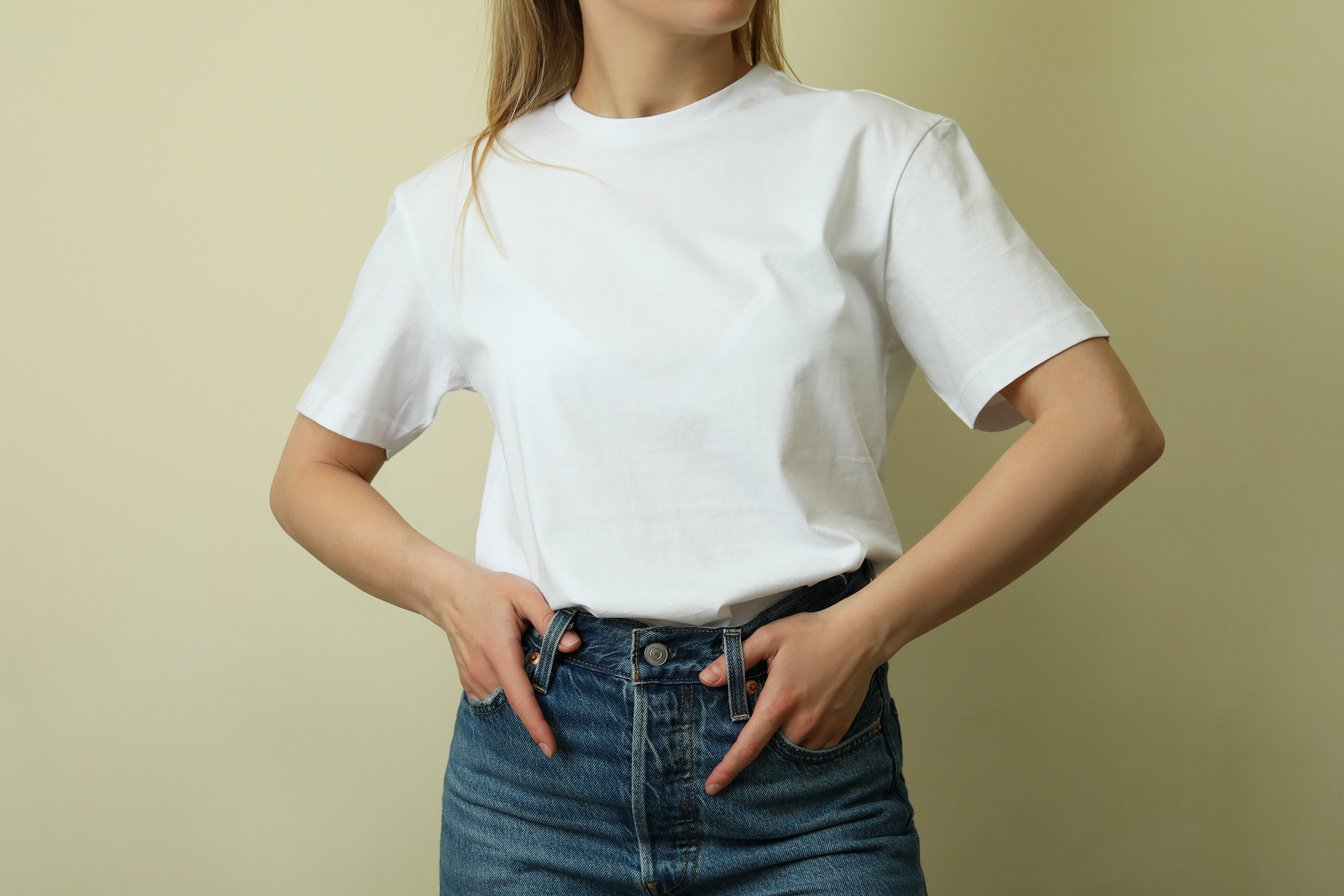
693,331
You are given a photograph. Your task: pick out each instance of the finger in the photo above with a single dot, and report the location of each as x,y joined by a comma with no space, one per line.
712,674
522,698
540,614
761,645
753,737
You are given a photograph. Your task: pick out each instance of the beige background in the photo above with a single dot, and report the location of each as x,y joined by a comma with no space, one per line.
190,703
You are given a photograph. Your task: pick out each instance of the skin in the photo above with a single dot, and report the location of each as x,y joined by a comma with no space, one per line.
1090,435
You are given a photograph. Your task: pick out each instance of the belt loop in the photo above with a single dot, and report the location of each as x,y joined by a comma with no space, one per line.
737,682
560,623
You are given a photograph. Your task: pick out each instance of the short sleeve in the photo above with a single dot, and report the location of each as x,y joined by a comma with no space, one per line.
970,296
391,362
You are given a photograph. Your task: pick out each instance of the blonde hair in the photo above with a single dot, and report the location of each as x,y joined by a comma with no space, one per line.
536,52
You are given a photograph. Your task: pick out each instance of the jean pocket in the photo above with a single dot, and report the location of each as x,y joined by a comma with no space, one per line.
496,699
489,703
864,732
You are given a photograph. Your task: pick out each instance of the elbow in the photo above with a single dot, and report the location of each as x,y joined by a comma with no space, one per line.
1147,439
1139,440
1156,443
278,498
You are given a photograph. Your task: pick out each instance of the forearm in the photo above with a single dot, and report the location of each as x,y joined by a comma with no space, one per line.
344,522
1041,490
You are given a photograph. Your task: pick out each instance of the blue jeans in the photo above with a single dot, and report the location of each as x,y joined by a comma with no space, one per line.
621,808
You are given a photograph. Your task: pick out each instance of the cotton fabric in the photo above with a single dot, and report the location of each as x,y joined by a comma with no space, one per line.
693,331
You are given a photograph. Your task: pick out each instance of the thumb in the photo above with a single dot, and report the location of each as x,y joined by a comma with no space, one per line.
568,641
755,649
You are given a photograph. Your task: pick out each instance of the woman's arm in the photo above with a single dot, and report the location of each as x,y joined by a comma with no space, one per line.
322,496
1091,434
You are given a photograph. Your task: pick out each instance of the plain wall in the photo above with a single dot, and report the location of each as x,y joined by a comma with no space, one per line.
191,703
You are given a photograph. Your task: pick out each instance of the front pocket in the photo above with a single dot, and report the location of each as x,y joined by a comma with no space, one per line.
864,732
496,699
493,701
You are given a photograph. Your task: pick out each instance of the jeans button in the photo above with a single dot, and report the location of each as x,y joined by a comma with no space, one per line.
656,653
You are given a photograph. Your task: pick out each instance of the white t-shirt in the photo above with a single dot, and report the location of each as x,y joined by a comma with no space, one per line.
694,336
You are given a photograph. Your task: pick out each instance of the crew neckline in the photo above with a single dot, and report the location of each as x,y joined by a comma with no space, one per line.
577,117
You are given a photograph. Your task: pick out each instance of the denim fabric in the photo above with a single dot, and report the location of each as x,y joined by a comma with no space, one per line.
621,808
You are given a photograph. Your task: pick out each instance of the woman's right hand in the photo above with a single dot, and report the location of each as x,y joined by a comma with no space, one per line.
485,616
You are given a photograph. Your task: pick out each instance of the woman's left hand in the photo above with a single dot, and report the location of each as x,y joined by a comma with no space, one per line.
817,681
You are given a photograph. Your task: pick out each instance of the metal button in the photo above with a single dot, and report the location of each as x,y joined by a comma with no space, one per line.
534,657
752,685
656,653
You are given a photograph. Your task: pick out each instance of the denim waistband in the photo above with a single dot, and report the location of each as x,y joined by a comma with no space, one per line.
673,653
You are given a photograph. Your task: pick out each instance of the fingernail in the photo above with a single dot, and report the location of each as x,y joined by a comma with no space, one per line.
570,639
710,675
713,788
545,748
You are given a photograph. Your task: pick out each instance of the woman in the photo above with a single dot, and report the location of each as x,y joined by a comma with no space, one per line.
692,298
